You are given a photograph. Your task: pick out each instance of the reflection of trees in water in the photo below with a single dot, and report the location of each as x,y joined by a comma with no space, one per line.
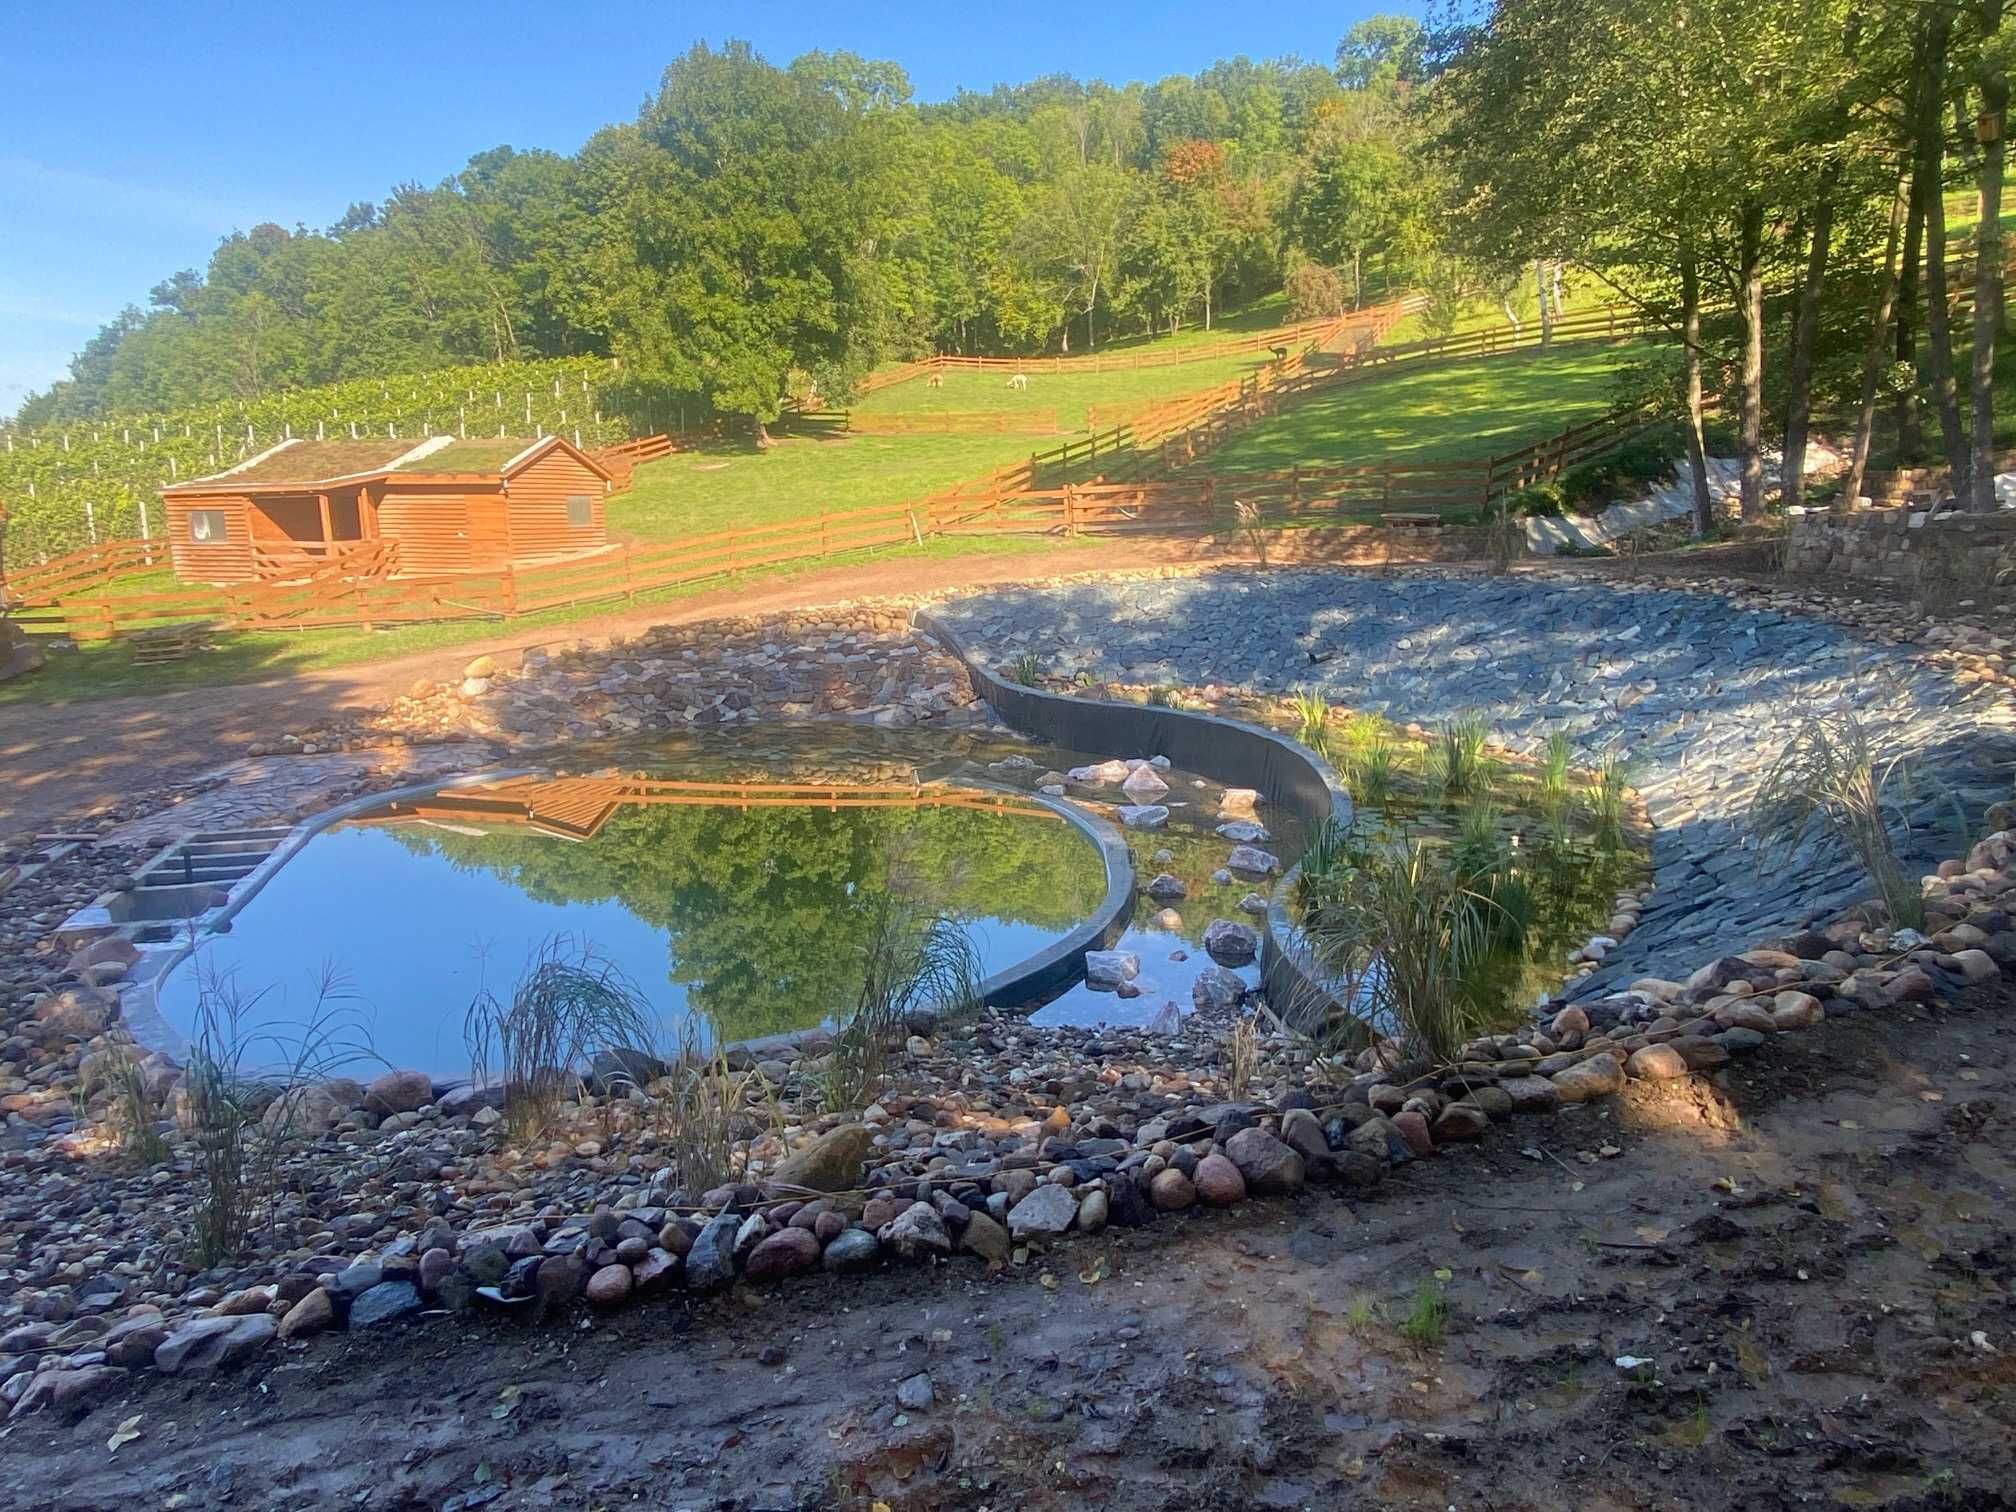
767,910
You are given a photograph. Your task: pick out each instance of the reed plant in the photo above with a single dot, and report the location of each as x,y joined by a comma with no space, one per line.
1404,935
235,1072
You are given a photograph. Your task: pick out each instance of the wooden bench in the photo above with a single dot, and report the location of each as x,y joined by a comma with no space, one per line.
171,643
1411,520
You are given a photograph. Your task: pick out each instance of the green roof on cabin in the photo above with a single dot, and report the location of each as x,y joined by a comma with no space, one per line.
469,456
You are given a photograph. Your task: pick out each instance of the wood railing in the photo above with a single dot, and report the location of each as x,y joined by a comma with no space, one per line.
625,457
1092,484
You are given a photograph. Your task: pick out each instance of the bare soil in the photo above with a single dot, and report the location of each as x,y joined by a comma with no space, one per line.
1812,1257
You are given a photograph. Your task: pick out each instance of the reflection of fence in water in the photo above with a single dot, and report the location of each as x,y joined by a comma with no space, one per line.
578,807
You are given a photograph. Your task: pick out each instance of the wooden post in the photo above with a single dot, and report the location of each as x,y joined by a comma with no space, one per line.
328,526
1070,511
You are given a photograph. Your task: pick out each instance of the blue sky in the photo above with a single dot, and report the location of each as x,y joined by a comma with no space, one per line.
134,136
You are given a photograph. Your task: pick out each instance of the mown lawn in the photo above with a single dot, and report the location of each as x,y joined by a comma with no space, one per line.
733,483
1069,395
1458,410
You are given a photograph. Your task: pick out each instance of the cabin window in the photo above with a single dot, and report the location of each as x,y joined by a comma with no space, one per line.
208,525
580,511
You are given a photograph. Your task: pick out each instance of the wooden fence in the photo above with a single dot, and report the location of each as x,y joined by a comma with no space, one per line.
1093,484
625,457
1357,327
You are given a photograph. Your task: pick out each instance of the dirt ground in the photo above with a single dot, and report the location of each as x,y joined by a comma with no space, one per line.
1812,1264
65,758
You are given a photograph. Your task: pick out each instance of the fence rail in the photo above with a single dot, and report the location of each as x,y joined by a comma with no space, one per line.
1045,495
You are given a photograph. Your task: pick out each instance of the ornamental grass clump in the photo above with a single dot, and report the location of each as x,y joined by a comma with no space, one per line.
571,1005
913,961
1829,780
1460,760
1403,938
234,1074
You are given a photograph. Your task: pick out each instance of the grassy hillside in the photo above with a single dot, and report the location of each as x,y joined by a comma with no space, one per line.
1456,410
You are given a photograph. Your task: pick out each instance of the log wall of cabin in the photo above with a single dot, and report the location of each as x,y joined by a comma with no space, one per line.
432,527
225,561
538,495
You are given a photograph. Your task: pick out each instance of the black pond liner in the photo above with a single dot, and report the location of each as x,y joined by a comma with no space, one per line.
1230,751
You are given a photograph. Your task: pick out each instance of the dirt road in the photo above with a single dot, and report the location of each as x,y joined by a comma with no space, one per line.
1813,1268
58,759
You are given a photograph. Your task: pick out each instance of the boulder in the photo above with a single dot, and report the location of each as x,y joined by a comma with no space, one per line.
855,1250
1166,887
1144,785
1047,1210
62,1388
1171,1191
610,1286
1462,1120
710,1263
1229,943
784,1253
311,1315
1218,1182
1271,1168
1145,816
1253,861
830,1163
77,1012
1598,1076
387,1302
1304,1135
398,1092
1109,968
914,1234
984,1237
304,1111
1656,1063
203,1345
1217,990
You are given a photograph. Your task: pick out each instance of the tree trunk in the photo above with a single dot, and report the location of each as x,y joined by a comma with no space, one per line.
1690,335
1939,368
1546,313
1879,335
1910,425
1555,270
1505,304
1987,264
1750,441
1930,131
1805,326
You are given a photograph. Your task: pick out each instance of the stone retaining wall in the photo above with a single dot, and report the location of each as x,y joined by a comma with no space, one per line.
1955,557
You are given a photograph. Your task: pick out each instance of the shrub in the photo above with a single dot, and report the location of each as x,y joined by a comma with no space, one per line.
1315,291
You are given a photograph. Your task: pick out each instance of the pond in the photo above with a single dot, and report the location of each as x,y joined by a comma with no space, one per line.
736,912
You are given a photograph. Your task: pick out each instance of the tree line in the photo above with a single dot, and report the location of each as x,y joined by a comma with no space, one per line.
1786,161
759,231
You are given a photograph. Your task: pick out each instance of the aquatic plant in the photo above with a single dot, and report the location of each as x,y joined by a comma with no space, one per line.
1460,760
1402,933
233,1076
1555,760
1312,719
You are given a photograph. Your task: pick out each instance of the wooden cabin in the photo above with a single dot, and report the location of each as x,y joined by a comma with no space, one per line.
450,505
